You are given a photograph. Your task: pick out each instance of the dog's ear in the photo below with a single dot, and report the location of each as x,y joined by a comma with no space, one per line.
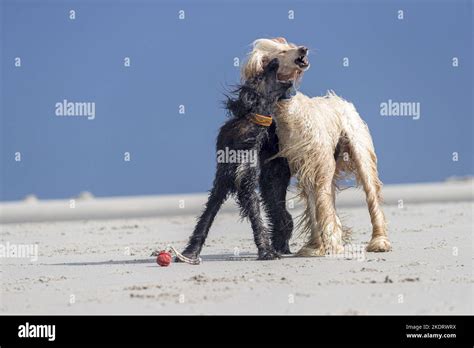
265,61
280,40
254,66
248,97
272,66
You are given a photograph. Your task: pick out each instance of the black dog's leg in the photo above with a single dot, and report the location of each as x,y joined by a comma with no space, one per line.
217,196
249,202
274,180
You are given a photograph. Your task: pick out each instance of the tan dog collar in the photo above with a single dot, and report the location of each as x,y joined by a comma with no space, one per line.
261,120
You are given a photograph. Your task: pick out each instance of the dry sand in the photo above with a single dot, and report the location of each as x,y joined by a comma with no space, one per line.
103,266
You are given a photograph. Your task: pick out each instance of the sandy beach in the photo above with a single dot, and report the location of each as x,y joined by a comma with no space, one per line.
95,259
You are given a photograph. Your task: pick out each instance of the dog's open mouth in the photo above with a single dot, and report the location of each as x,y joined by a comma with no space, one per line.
302,62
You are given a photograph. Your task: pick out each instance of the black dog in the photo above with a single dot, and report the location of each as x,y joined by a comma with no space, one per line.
250,133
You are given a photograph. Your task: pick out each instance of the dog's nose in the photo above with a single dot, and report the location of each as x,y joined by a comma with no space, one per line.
303,50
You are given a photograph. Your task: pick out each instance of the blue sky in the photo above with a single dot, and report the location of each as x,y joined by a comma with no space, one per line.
191,62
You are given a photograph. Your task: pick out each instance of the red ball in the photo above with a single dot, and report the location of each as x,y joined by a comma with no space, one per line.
163,259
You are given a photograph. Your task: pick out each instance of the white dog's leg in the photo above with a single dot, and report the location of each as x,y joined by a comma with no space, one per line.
372,187
365,160
314,246
328,228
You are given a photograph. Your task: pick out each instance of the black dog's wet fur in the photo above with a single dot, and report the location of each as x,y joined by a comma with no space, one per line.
258,95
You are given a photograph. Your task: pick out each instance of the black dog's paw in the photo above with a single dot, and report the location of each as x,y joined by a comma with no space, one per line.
268,255
283,249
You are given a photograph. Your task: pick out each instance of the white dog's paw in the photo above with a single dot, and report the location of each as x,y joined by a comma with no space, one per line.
308,251
379,244
332,240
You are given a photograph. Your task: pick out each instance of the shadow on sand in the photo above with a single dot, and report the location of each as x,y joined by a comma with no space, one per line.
205,258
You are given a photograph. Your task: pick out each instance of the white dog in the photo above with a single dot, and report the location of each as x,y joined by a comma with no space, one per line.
323,139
